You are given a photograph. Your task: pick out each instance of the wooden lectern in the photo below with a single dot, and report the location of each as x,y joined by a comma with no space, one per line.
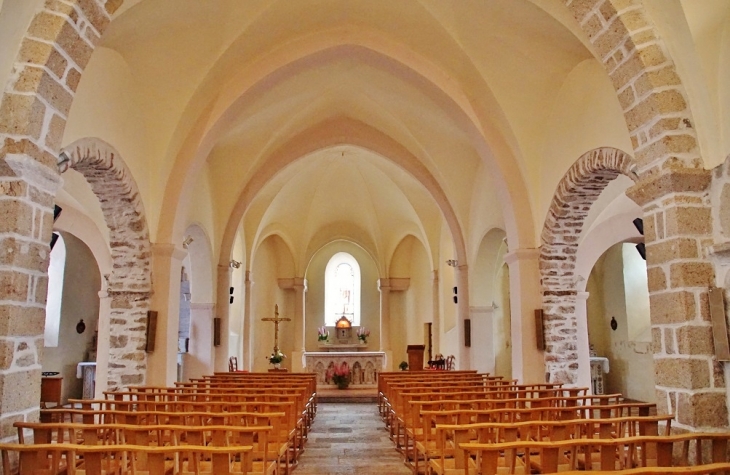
415,357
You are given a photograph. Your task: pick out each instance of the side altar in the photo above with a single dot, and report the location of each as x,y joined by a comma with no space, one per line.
364,365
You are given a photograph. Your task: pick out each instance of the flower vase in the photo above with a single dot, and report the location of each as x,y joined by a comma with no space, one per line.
343,385
277,365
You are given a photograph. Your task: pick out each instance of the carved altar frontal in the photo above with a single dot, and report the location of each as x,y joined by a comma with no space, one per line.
364,366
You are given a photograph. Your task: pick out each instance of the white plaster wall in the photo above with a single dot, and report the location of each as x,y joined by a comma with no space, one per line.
631,360
82,282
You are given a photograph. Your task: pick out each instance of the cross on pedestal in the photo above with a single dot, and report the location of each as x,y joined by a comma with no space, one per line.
276,321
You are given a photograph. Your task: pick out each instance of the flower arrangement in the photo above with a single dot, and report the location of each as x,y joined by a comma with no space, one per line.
276,357
363,334
322,334
340,375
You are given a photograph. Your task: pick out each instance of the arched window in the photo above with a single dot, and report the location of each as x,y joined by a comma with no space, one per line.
342,289
56,269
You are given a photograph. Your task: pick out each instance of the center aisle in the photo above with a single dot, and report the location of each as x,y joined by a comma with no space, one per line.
349,439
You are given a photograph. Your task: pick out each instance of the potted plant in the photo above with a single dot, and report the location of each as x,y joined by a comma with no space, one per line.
363,334
276,358
403,365
323,334
340,375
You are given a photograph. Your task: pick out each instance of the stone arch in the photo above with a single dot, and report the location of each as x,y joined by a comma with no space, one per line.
649,89
129,284
576,192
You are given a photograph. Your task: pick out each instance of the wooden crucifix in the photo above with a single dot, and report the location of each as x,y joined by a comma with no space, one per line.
276,321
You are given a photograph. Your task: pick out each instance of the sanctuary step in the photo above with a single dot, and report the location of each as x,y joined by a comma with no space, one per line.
349,395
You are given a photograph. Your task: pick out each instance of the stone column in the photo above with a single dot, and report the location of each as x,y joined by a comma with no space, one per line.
528,363
222,311
436,327
166,269
462,283
247,356
584,352
201,356
384,288
677,229
103,338
27,191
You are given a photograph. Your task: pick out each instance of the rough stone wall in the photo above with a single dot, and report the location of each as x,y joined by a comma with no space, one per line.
576,192
129,284
673,191
33,111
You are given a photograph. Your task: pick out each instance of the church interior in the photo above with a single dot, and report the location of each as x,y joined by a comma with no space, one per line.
535,189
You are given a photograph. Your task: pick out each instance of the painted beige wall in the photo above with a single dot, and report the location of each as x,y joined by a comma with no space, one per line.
584,115
370,296
80,300
15,17
412,308
265,295
107,106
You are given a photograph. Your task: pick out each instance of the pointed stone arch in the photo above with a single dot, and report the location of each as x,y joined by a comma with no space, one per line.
576,192
129,284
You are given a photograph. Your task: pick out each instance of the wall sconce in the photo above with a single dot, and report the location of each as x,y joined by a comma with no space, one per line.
234,264
80,327
188,240
452,262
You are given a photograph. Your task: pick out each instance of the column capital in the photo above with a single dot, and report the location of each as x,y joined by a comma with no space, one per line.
582,295
521,255
35,172
671,180
383,284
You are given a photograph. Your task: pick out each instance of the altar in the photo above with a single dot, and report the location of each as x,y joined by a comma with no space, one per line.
364,365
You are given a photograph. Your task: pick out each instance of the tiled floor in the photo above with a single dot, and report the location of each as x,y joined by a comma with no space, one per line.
349,439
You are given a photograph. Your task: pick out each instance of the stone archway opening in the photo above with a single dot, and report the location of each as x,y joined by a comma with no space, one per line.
576,192
128,287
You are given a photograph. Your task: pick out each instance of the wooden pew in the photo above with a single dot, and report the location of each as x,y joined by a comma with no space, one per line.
615,454
125,459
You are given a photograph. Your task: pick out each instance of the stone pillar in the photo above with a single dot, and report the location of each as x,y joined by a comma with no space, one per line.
166,270
27,191
436,327
384,288
247,356
584,351
222,311
677,228
462,283
528,363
